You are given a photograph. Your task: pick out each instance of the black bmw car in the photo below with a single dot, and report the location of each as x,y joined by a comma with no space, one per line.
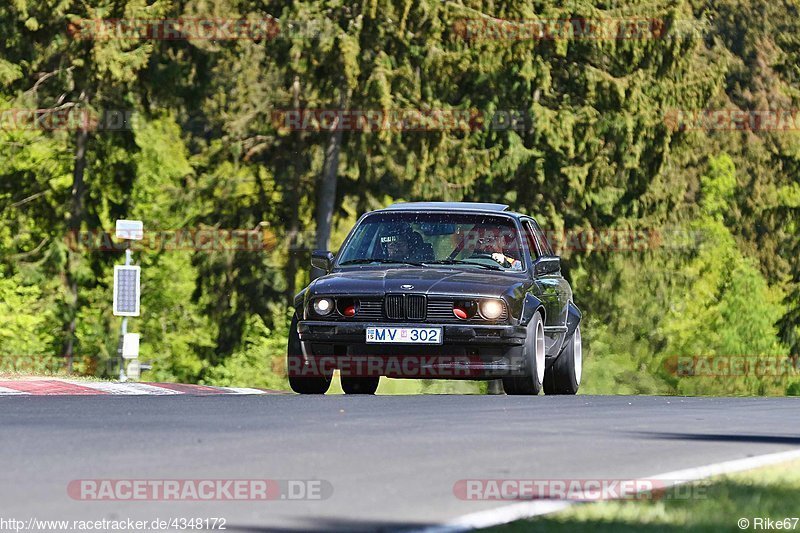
438,290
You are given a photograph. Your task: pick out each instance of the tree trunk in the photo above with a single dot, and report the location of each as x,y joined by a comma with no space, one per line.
326,192
326,189
76,215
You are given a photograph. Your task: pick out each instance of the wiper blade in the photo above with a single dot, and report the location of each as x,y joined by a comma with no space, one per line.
462,262
365,261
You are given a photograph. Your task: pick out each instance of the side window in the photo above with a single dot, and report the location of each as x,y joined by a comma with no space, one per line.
542,238
536,250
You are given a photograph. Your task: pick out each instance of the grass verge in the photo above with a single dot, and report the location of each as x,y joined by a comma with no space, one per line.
390,386
714,505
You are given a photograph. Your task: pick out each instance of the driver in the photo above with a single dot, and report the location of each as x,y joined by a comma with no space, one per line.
491,242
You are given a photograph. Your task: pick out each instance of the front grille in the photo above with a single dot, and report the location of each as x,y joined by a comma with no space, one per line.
405,306
415,307
393,304
370,310
439,310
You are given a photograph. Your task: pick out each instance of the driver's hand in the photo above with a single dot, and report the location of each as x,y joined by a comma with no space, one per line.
500,258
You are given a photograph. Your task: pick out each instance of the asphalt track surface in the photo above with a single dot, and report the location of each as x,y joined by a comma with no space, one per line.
392,461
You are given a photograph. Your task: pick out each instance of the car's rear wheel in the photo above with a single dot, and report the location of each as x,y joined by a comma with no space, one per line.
564,376
351,385
302,378
530,383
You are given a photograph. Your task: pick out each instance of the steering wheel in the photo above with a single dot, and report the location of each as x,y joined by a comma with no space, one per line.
486,255
482,255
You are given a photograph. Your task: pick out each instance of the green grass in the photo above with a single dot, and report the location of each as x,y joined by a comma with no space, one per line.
418,386
716,505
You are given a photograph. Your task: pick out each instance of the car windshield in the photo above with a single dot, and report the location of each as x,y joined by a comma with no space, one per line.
423,239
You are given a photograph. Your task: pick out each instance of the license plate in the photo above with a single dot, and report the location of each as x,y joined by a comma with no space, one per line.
391,335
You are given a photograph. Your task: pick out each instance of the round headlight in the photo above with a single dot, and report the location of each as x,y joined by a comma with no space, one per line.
492,309
323,306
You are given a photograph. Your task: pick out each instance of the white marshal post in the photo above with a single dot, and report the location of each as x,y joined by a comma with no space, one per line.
127,282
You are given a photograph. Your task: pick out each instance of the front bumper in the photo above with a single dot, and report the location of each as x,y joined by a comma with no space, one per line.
468,351
453,334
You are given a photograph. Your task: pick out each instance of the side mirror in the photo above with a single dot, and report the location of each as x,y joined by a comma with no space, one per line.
547,265
322,259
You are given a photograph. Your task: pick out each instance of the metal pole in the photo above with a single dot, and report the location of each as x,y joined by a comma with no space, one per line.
124,328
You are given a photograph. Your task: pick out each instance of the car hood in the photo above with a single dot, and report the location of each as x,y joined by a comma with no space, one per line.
444,281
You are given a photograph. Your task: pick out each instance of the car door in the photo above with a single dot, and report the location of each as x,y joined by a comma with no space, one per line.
555,292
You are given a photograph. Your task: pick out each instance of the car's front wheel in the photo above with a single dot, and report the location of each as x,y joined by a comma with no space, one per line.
302,379
530,383
564,376
351,385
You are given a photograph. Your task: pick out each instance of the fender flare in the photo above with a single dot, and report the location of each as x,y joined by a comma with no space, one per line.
530,305
574,316
299,302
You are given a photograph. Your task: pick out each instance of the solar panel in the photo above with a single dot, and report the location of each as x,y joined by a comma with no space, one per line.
126,290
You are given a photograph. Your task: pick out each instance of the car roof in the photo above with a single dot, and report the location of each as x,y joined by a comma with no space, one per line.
450,206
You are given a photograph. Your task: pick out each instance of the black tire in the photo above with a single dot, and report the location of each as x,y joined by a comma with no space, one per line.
530,383
351,385
302,384
564,375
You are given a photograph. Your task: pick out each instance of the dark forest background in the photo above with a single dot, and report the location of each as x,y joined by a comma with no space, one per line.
602,146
